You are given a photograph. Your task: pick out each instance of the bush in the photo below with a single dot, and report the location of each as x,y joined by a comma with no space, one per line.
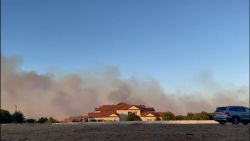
211,116
30,120
133,117
168,116
179,117
5,116
199,116
190,116
43,120
52,120
17,117
74,120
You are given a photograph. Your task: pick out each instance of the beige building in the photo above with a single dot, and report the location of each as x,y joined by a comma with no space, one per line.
120,111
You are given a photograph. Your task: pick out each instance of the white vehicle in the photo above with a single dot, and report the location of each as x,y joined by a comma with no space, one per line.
233,114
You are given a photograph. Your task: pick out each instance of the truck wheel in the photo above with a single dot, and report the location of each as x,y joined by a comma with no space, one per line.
222,122
245,123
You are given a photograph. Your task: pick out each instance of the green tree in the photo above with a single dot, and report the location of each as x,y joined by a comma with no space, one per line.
132,117
202,116
5,116
30,120
211,116
43,120
168,116
179,117
199,116
17,117
190,116
52,120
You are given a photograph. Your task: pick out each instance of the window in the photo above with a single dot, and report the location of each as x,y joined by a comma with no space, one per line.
220,109
237,109
234,109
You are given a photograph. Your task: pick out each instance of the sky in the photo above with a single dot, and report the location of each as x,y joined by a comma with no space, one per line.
171,41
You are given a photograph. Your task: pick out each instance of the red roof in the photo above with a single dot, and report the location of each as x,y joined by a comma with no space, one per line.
123,106
107,110
101,114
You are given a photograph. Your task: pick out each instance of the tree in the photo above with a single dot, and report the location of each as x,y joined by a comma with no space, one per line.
168,116
52,120
132,117
5,116
211,116
199,116
30,120
179,117
190,116
43,120
17,117
202,116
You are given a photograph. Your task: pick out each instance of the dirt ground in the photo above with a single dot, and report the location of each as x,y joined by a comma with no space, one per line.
125,132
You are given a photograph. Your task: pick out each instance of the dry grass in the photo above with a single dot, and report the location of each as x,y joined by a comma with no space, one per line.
125,131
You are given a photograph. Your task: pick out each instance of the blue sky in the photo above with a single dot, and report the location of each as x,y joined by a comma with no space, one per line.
172,41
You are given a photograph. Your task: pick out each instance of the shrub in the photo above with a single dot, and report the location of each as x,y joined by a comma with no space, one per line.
30,120
5,116
43,120
199,116
211,116
74,120
52,120
179,117
168,116
132,117
190,116
17,117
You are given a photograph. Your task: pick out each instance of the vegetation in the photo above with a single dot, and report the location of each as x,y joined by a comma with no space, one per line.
47,120
17,117
52,120
133,117
5,116
199,116
168,116
179,117
43,120
190,116
30,120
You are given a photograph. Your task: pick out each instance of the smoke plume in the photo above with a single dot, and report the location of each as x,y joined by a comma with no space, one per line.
39,95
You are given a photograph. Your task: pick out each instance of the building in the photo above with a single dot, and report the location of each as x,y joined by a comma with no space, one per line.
120,111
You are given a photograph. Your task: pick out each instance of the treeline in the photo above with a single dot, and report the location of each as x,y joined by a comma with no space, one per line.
190,116
171,116
18,117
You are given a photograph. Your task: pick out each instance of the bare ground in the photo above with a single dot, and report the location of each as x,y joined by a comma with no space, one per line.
125,132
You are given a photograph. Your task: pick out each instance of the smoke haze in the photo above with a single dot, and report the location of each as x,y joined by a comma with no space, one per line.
39,95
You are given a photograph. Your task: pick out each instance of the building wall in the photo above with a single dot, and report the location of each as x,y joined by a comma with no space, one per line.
104,119
125,112
148,118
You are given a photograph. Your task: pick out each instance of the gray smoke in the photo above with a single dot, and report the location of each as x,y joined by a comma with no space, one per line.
39,95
